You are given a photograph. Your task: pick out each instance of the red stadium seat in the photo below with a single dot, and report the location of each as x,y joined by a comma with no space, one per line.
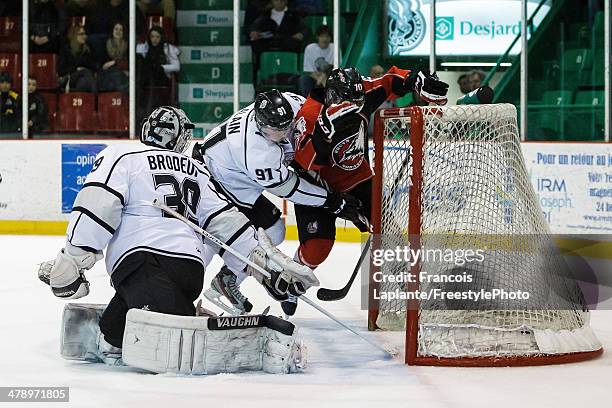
77,112
113,112
78,21
44,68
11,63
167,24
51,100
10,34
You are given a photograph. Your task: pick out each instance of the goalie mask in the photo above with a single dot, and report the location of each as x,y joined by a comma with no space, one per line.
168,128
273,115
344,84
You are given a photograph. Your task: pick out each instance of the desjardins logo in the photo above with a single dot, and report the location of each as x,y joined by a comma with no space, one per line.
445,28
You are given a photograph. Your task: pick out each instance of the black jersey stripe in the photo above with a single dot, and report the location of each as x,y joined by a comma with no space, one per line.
156,251
107,188
74,227
94,218
212,216
246,132
310,194
236,235
110,172
209,143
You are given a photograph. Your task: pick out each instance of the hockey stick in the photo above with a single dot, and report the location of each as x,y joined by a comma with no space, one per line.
329,295
209,236
337,294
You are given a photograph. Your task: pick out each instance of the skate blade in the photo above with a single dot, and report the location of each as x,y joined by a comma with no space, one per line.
215,297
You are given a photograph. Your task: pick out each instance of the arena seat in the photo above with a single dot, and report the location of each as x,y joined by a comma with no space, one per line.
51,100
113,112
77,112
11,63
588,97
78,21
44,68
557,97
277,62
10,34
167,24
576,64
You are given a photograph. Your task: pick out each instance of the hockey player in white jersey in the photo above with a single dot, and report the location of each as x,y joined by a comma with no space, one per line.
156,262
248,154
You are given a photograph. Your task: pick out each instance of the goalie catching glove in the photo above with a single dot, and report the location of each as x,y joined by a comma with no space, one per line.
65,274
286,275
430,88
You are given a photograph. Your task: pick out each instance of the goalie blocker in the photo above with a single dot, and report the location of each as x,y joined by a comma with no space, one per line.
164,343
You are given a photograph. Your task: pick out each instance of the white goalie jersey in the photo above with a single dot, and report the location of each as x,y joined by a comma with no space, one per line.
114,208
245,163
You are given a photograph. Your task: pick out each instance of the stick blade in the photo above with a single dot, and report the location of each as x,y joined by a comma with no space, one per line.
330,295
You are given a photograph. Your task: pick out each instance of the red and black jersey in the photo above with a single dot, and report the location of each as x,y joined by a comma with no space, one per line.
333,140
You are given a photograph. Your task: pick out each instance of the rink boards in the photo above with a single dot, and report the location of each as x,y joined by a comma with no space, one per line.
40,178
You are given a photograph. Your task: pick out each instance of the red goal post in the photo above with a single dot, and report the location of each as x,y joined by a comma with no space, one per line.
471,152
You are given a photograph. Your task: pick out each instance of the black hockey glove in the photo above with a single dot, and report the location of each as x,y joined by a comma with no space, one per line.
196,153
430,88
279,287
347,207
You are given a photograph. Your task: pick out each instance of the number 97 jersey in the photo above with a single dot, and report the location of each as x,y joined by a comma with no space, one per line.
114,208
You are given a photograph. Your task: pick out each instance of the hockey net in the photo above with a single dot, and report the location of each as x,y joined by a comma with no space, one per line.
455,177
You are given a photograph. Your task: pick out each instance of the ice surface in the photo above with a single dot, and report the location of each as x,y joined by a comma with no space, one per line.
343,370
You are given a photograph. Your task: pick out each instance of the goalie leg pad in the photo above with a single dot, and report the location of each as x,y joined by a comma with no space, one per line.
164,343
81,339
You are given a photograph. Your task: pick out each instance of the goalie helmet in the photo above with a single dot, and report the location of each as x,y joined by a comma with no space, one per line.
344,84
168,128
273,115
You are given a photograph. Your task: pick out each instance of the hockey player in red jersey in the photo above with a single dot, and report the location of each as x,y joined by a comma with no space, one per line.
332,146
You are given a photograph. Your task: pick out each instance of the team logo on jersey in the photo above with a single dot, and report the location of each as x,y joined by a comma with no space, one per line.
312,227
348,154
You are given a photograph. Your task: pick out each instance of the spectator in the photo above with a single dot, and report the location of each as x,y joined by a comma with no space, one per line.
113,76
101,23
464,83
276,30
10,106
45,27
10,8
77,64
308,7
77,8
254,9
164,8
157,61
376,71
38,113
476,78
318,61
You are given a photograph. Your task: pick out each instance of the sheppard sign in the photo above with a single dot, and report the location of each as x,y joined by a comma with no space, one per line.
463,27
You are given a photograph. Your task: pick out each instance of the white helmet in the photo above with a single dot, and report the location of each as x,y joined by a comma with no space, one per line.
168,128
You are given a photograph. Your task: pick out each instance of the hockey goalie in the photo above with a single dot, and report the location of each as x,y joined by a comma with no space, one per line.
156,264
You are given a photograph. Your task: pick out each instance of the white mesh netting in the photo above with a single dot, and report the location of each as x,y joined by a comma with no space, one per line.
475,187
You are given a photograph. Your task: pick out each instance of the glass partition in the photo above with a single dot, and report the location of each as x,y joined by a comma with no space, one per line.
566,75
